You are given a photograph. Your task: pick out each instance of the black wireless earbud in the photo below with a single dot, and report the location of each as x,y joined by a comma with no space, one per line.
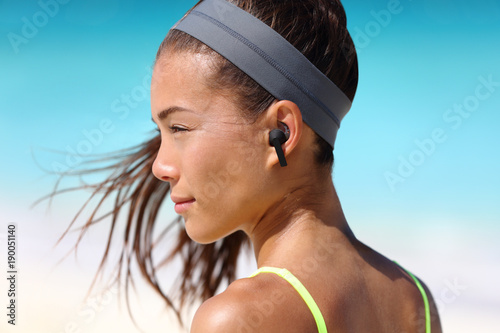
278,137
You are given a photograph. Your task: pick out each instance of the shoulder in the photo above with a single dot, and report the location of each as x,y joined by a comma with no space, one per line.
398,295
434,315
416,296
259,304
221,313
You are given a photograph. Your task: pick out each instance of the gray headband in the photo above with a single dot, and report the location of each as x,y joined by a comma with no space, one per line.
269,59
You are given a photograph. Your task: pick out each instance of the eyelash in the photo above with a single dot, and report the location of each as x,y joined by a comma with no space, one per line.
173,129
177,129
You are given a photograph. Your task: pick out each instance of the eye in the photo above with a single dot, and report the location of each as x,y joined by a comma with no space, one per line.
177,129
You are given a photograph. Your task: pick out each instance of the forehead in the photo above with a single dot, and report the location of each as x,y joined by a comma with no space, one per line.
179,77
182,80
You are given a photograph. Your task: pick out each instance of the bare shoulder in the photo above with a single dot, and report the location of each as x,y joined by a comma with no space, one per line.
221,313
216,314
258,304
419,315
399,298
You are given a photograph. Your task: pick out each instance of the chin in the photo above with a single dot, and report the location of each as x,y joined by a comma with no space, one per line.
199,235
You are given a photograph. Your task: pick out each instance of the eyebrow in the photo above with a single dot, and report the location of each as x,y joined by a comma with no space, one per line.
165,113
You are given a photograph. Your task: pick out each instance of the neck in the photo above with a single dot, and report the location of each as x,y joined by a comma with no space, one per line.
292,227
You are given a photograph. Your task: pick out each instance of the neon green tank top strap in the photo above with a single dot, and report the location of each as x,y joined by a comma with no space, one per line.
424,296
284,273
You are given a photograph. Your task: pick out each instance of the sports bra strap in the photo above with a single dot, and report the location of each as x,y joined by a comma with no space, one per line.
318,317
284,273
424,296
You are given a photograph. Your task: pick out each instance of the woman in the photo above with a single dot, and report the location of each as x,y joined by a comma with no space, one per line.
248,96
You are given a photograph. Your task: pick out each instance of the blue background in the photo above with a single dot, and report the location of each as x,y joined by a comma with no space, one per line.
73,72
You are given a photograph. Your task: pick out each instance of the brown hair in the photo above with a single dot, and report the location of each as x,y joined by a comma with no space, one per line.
135,189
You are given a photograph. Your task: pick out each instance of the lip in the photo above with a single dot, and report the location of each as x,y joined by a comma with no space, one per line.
182,204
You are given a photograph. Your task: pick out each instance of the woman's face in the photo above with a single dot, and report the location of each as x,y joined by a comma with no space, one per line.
213,157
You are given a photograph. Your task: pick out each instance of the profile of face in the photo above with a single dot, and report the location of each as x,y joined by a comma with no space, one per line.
215,159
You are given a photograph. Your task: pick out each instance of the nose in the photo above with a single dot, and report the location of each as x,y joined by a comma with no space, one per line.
164,166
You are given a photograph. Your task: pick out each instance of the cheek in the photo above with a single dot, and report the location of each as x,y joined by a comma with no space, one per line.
216,173
228,184
226,173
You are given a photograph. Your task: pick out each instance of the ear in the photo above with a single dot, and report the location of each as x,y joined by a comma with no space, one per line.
286,112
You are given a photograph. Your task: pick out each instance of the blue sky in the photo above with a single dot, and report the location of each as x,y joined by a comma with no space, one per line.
71,75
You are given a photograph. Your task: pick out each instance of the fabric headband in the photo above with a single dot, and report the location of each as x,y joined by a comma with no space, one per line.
269,59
